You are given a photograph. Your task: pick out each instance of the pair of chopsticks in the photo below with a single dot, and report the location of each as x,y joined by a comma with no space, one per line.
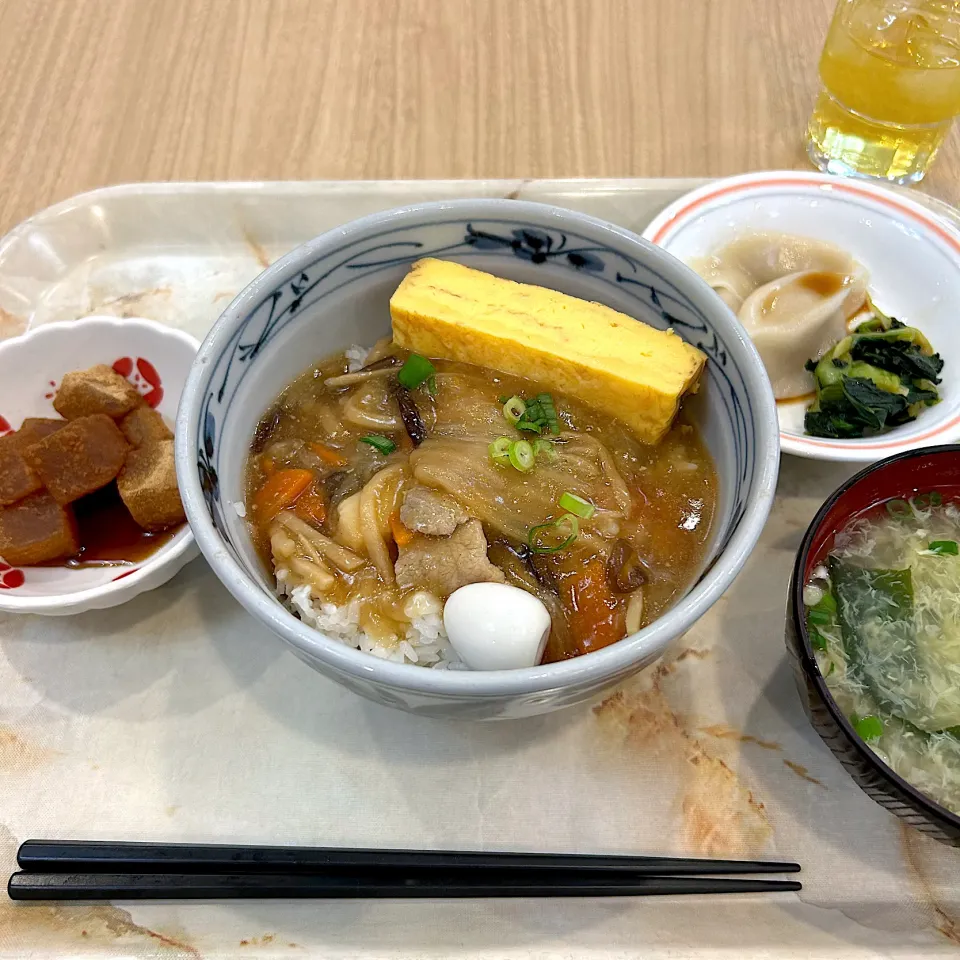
89,870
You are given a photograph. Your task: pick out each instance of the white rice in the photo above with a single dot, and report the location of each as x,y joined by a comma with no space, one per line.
425,643
241,509
357,357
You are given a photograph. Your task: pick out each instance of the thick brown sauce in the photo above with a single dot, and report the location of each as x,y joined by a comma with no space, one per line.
110,537
800,398
672,486
822,282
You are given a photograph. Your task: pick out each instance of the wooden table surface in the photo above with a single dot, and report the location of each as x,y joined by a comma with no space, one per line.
104,91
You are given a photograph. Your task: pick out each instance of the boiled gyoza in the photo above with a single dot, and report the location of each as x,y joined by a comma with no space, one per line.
744,264
799,316
794,295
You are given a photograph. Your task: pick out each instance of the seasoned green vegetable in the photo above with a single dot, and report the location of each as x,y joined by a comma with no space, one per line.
881,376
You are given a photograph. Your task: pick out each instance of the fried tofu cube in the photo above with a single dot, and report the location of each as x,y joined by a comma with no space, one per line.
100,389
37,529
83,456
35,429
143,427
17,479
148,486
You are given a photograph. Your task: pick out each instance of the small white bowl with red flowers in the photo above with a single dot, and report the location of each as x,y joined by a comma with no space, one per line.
89,516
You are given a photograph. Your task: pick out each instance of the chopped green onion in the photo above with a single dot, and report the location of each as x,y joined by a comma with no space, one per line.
833,667
555,535
432,385
534,419
500,451
899,509
521,456
549,412
827,604
820,614
570,502
415,371
925,500
869,727
528,425
945,547
514,409
547,447
382,445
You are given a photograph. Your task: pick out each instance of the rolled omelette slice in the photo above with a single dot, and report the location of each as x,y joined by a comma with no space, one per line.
610,361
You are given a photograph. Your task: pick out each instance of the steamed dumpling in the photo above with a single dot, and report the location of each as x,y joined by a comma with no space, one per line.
768,256
729,281
749,262
798,317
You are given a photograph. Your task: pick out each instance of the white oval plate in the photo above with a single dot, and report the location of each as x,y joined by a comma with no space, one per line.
156,359
912,255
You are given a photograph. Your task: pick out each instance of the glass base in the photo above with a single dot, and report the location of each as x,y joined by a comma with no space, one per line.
843,142
840,168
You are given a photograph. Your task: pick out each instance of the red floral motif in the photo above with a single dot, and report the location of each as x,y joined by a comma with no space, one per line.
143,376
5,426
52,392
10,577
126,573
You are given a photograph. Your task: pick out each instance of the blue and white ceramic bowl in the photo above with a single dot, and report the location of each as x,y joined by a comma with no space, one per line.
334,291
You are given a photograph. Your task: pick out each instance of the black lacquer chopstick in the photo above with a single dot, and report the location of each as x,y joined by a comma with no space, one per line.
82,856
165,886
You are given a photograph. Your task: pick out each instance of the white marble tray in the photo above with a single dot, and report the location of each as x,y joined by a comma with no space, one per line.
175,718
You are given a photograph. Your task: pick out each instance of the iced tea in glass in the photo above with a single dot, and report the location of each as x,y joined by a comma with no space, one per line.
890,73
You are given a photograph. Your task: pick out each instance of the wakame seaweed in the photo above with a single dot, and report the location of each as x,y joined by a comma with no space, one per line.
875,612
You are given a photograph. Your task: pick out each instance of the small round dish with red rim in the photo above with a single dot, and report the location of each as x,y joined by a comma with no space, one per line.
156,359
912,255
900,477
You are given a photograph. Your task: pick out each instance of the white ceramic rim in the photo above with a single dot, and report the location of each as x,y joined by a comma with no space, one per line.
172,554
696,202
590,669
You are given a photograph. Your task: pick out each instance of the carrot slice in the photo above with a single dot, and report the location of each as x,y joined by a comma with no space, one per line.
328,455
279,491
311,506
596,613
401,534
